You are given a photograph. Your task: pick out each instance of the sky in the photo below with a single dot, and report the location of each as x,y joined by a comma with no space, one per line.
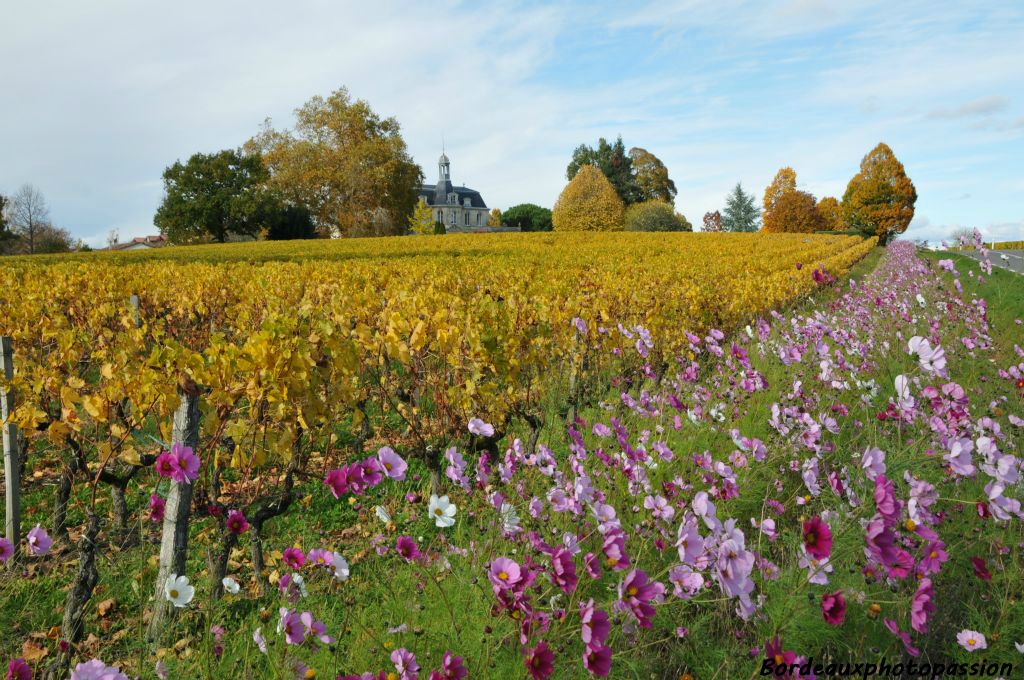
99,97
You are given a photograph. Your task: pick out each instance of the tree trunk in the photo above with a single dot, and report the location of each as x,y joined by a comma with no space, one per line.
60,508
78,598
258,565
219,566
119,510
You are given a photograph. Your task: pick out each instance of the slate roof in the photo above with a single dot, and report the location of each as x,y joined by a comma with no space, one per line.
437,194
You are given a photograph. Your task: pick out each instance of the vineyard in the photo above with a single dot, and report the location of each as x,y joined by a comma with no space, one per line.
550,455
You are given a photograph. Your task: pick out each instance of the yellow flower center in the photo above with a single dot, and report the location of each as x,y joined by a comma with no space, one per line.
387,466
910,525
174,593
933,554
971,642
632,590
310,674
503,575
437,511
610,561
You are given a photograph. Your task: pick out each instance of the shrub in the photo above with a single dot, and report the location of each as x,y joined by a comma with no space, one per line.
588,203
655,215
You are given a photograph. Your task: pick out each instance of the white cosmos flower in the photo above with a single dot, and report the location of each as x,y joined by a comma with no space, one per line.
442,510
300,583
231,585
480,428
382,514
340,564
178,590
509,518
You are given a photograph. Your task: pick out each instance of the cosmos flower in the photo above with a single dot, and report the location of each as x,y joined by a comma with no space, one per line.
294,558
178,590
405,664
504,574
157,508
17,669
817,538
442,510
6,549
97,670
595,624
833,608
971,640
39,542
187,464
393,464
340,566
236,522
540,661
230,585
407,548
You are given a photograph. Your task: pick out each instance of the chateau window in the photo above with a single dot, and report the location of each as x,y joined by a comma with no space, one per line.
453,199
452,220
467,219
440,216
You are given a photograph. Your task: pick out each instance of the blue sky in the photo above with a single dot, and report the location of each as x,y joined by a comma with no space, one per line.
99,97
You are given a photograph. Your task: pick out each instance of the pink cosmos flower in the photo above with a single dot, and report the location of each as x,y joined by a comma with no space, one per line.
540,661
294,558
480,428
833,608
157,508
97,670
817,538
636,592
686,582
504,574
393,464
372,471
885,499
922,605
6,549
320,557
980,570
236,523
873,462
337,481
291,625
904,637
405,664
187,463
971,640
39,542
563,570
614,548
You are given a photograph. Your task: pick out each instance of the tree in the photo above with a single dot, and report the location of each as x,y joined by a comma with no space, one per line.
614,162
528,217
588,203
880,198
784,181
7,237
28,214
288,222
348,165
113,238
212,196
652,176
51,239
655,216
712,222
422,219
494,219
740,213
794,212
828,208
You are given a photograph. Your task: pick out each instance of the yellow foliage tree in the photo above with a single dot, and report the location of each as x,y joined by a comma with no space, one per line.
422,219
794,212
588,203
494,219
828,207
880,199
784,181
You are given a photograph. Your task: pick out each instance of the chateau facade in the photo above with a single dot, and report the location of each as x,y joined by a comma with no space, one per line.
458,208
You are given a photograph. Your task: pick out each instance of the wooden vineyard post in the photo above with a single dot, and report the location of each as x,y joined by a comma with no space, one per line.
11,460
174,543
134,300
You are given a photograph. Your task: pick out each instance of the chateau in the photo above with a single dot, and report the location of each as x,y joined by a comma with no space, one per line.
458,208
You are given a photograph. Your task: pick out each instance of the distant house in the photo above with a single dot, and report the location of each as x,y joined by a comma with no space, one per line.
458,208
141,243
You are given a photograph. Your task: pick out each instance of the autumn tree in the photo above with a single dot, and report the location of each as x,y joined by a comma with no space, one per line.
29,214
712,222
614,162
422,219
7,237
740,213
52,239
828,207
213,196
880,199
494,219
588,203
348,165
528,217
651,176
655,216
784,181
794,212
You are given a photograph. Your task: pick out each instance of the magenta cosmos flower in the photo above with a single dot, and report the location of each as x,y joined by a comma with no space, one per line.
922,605
452,668
237,524
595,625
833,608
817,538
563,570
188,464
39,542
407,548
393,464
18,670
6,550
294,558
598,660
540,661
636,592
337,481
157,507
166,464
